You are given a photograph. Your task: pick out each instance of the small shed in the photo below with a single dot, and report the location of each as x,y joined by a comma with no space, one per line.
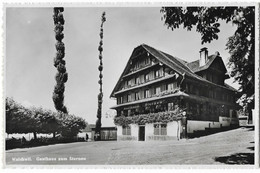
87,131
107,133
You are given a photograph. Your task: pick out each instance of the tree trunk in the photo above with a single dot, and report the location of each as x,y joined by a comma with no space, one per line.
54,134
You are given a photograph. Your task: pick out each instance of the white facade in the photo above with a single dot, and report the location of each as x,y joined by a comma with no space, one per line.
173,130
201,125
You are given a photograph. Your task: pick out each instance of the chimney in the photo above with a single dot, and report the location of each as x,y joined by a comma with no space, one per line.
203,56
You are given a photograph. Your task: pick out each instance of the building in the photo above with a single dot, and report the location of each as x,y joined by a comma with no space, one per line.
87,132
161,97
107,133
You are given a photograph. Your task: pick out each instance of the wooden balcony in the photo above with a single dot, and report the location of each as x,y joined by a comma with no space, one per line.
145,84
155,97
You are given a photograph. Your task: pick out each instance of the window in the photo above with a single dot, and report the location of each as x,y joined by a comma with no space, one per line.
170,87
157,90
163,129
160,129
146,77
157,74
147,61
129,112
161,72
118,100
146,93
137,65
170,106
129,83
163,87
129,98
126,130
137,96
138,81
156,129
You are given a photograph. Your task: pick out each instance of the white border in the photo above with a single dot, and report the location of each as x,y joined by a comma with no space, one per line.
136,3
257,121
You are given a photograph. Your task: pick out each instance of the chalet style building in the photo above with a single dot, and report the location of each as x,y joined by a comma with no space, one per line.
161,97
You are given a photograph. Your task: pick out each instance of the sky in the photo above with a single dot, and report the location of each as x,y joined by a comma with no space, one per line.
30,49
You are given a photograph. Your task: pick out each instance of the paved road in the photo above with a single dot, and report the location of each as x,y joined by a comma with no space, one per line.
201,150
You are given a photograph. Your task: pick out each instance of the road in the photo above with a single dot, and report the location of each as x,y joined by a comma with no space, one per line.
195,151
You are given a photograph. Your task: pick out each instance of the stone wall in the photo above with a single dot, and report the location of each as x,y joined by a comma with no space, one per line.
201,125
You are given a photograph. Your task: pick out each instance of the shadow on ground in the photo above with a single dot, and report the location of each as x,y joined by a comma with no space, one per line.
238,158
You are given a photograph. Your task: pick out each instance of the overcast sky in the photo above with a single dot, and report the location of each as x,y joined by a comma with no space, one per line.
30,49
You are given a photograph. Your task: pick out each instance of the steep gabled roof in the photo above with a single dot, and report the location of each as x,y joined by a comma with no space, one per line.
195,66
180,66
168,59
175,63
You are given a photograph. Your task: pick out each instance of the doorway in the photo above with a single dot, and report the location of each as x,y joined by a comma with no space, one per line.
141,133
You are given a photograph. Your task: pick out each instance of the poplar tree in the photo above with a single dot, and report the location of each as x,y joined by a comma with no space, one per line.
61,76
100,68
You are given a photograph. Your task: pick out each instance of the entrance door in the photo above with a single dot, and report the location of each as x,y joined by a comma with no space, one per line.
141,133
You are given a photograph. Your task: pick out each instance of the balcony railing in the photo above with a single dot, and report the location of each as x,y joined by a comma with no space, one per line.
155,80
173,93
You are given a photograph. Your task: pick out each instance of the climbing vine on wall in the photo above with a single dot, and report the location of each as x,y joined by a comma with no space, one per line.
160,117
